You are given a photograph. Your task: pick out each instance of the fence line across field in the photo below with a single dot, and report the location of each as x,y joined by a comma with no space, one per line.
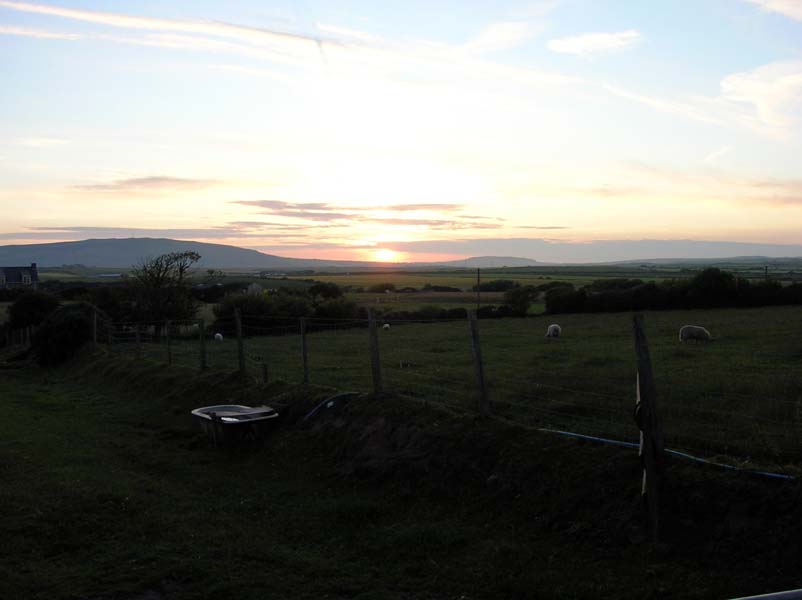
296,350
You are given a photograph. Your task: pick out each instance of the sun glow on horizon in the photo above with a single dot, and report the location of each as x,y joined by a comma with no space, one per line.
386,255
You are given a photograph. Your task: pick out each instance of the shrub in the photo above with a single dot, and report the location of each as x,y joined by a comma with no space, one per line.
380,288
62,334
325,290
439,288
517,300
497,285
31,309
265,310
337,308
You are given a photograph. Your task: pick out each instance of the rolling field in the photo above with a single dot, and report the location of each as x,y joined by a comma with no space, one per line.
738,397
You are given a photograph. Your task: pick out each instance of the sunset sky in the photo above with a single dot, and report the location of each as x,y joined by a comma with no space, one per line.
401,130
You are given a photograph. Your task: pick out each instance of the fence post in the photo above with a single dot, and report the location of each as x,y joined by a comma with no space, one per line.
167,340
138,341
476,348
202,343
94,327
304,350
240,342
375,362
651,431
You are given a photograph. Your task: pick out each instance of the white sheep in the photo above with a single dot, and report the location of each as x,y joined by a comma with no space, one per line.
386,327
218,337
553,331
694,332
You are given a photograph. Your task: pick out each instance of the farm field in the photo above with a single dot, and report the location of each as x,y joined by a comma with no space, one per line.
739,397
113,493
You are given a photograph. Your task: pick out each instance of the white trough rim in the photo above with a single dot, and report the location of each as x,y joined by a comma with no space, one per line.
228,413
787,595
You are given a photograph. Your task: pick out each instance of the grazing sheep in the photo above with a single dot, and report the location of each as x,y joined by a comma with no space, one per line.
218,337
386,327
553,331
694,332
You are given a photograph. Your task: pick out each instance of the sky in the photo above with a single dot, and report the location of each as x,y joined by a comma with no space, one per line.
402,131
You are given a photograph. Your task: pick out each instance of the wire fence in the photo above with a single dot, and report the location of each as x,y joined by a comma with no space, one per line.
747,411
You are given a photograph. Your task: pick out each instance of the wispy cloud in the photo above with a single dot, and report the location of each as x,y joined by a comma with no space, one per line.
716,154
42,142
789,8
230,231
766,100
500,36
37,33
594,43
153,183
350,56
347,214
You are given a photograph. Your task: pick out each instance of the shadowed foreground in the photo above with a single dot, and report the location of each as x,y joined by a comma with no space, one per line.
109,492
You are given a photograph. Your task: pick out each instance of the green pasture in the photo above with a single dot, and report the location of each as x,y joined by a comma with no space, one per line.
739,396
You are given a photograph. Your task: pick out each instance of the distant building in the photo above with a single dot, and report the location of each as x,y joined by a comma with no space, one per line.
14,277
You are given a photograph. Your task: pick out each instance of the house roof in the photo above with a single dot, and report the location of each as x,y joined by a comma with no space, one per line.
15,274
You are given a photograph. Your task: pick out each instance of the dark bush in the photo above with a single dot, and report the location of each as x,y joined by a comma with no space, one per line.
63,333
325,290
11,294
439,288
517,300
337,308
30,309
545,287
261,312
497,285
380,288
602,285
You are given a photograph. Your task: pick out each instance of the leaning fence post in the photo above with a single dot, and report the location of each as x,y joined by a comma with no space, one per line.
202,344
375,361
651,431
240,342
167,340
473,325
304,350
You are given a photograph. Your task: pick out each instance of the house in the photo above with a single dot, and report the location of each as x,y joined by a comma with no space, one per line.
13,277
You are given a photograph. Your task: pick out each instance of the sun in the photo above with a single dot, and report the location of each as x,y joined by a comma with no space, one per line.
386,255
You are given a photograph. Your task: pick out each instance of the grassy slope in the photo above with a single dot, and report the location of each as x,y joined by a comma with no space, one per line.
739,396
108,492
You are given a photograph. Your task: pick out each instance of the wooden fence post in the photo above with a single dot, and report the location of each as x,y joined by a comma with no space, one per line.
651,431
304,350
476,348
375,360
202,344
167,340
240,342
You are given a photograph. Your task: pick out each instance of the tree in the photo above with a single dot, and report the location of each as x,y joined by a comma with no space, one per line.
161,287
30,309
518,300
326,290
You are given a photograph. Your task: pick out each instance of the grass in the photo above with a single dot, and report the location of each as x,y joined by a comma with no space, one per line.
739,397
109,492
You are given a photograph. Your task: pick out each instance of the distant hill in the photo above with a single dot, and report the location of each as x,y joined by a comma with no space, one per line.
492,262
122,253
